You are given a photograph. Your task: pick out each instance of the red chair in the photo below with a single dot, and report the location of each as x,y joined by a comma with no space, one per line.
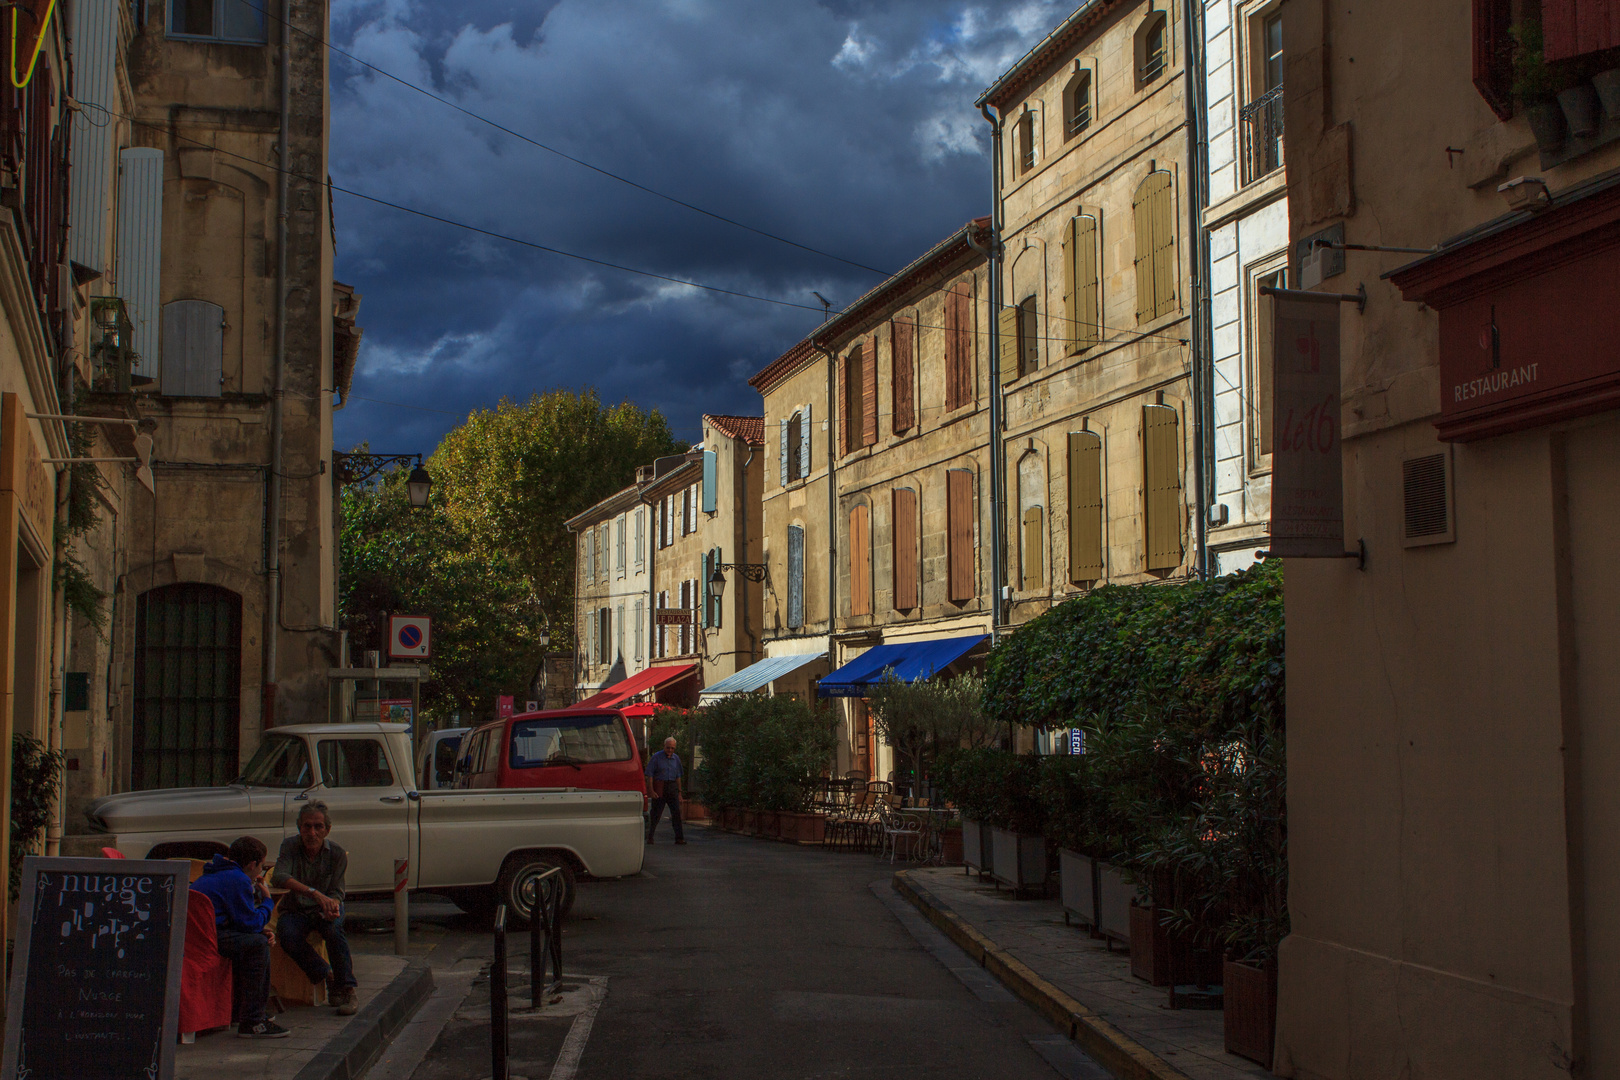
205,976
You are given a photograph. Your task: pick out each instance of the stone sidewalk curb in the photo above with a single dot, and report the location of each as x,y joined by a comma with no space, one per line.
1111,1047
354,1049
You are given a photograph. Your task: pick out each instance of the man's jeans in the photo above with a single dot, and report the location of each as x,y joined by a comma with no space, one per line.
249,955
673,799
293,930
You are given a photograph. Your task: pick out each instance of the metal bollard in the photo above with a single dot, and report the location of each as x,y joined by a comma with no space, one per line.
545,934
402,908
497,1000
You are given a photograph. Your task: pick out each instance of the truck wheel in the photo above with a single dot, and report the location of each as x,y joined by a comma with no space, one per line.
516,886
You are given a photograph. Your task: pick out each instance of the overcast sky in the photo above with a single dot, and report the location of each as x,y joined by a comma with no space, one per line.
847,126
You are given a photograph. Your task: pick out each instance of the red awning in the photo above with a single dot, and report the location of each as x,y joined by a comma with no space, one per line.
639,683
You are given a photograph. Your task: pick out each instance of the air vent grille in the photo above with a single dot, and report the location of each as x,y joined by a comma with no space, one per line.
1426,484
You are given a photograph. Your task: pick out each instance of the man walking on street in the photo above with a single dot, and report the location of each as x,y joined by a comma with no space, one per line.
242,908
311,868
664,778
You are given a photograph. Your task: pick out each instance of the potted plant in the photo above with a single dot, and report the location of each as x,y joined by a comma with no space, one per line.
966,777
1017,824
1535,87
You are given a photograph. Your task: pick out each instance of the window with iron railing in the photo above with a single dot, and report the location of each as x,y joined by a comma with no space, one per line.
1077,105
1262,126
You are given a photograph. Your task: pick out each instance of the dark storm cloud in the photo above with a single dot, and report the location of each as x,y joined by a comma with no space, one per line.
846,126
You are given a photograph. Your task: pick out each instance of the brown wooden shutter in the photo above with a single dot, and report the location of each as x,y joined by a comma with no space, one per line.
1071,297
1164,246
869,394
1493,53
953,350
905,549
959,345
1034,567
959,533
1008,330
1085,506
860,561
1028,336
1577,27
1161,481
902,339
1141,205
1087,331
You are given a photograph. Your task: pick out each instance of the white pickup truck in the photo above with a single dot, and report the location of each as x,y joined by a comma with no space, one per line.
477,847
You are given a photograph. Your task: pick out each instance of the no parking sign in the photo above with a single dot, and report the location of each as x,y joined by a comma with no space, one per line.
410,637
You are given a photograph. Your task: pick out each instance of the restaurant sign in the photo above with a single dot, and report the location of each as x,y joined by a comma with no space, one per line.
1307,469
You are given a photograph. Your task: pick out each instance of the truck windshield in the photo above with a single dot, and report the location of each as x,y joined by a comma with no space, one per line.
578,740
281,762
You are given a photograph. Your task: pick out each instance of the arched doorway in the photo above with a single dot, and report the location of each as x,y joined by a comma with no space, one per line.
188,682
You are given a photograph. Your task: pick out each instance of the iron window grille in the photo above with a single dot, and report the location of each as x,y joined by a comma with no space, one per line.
1262,124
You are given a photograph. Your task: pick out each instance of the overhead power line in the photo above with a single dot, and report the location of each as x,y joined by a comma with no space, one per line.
498,126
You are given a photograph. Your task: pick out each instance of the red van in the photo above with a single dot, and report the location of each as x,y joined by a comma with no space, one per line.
580,748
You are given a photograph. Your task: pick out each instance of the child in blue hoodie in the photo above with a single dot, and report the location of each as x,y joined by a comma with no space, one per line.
242,908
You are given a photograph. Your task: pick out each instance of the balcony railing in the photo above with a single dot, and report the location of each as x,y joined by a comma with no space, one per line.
1262,125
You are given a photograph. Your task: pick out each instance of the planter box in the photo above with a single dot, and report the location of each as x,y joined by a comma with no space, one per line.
803,828
1150,946
749,822
1114,896
1018,860
951,840
767,825
691,810
1251,1010
1077,885
975,845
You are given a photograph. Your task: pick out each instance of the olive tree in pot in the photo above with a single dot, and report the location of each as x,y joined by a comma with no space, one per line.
1535,87
966,777
1018,825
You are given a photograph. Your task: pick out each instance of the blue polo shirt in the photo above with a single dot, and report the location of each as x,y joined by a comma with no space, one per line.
662,766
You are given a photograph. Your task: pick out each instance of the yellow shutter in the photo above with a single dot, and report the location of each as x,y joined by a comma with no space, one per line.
1071,299
1086,329
1034,570
1143,207
1028,336
1164,247
1161,480
1085,506
1008,326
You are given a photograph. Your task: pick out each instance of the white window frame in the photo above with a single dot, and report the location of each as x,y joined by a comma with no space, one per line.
219,20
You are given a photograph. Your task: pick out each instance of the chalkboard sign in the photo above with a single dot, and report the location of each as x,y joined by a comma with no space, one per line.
95,979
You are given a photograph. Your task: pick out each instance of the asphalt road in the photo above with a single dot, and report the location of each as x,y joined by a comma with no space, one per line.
732,958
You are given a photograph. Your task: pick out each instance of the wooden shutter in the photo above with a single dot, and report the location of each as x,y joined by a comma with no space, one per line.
849,401
959,533
804,441
1087,331
958,345
782,452
1034,566
905,549
1577,27
140,249
795,576
1161,481
1007,328
1029,338
1071,285
902,338
708,569
1493,53
193,348
860,561
1155,247
869,394
1085,506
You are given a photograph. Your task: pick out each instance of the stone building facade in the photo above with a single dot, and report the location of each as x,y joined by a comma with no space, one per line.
1454,738
1098,448
612,570
1247,229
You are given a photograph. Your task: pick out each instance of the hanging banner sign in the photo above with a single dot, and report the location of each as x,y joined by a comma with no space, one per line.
1307,462
671,616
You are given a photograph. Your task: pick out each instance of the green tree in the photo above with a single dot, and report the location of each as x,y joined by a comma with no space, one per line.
510,476
920,719
397,559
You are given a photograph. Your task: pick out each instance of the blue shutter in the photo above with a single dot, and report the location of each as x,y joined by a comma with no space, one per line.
804,441
140,247
93,145
795,572
782,454
709,480
708,568
193,348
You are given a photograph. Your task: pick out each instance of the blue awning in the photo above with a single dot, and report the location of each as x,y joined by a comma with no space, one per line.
757,675
911,660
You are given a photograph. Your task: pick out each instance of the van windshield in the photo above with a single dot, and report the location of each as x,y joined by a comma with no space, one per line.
578,740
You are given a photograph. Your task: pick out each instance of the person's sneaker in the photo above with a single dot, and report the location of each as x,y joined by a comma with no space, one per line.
344,1000
680,841
264,1029
649,840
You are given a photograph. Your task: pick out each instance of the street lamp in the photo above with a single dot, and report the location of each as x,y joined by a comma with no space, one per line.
545,638
417,485
749,571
